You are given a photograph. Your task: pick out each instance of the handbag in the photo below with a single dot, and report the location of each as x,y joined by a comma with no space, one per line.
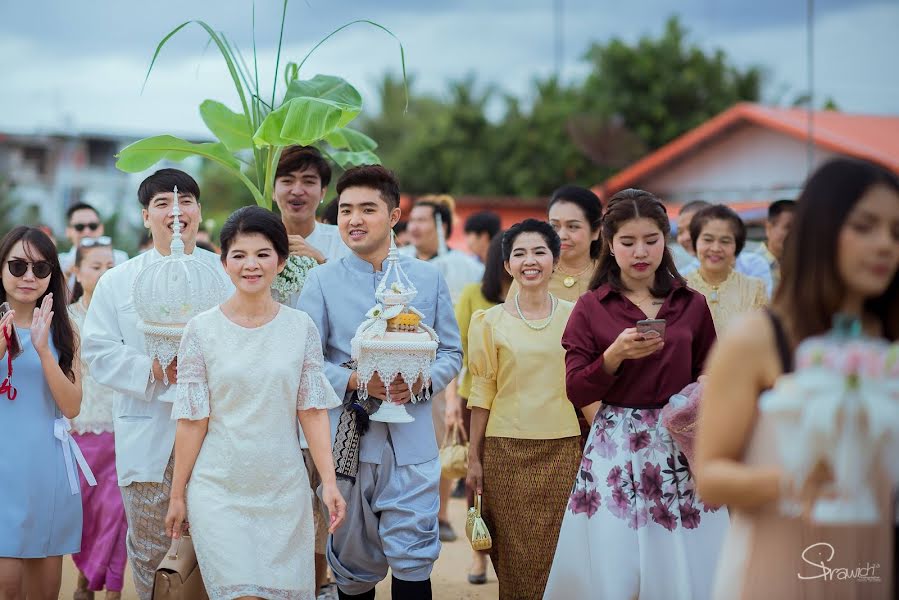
680,417
475,528
178,575
453,455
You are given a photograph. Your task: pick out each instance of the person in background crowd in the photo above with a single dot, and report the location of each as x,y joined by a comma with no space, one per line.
251,518
777,227
40,505
329,215
430,225
83,221
146,242
719,235
101,562
748,263
575,213
842,257
114,348
634,527
301,183
525,439
492,290
401,234
480,228
392,506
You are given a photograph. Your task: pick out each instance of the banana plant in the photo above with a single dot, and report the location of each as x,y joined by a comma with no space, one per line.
313,111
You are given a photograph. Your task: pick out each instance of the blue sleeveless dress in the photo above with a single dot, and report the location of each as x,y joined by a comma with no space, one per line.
39,514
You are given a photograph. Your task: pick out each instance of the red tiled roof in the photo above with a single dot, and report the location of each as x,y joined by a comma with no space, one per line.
871,137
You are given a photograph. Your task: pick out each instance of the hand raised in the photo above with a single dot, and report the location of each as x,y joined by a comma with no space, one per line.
631,344
300,247
41,323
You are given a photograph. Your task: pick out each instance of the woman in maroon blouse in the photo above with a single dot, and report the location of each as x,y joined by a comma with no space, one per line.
634,526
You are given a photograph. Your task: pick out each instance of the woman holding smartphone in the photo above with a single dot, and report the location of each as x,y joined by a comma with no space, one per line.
40,505
842,257
634,526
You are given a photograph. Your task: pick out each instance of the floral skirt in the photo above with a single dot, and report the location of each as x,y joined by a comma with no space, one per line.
634,526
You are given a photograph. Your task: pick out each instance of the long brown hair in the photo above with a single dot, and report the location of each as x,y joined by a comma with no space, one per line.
811,289
61,327
625,206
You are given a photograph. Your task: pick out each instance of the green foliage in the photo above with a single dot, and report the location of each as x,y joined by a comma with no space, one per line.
635,98
314,111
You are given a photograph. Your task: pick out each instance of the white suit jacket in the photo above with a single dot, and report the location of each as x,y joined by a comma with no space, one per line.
114,350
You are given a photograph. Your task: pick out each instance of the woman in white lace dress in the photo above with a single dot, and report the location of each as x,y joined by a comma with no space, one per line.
246,370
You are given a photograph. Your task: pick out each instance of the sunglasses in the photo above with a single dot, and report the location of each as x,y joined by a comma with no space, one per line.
79,227
18,268
103,240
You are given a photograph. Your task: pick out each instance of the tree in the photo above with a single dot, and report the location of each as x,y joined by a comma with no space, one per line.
661,88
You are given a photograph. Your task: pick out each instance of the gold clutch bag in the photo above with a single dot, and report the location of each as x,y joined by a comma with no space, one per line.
476,529
453,455
178,575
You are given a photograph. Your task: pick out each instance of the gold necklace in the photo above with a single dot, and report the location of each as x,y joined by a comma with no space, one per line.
571,278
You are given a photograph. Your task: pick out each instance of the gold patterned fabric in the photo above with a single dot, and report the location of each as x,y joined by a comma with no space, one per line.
146,505
736,295
526,489
564,287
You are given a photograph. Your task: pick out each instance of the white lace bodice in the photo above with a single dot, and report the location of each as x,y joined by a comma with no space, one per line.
248,497
96,399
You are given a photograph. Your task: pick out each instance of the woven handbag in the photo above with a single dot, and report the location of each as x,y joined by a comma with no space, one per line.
178,575
454,455
475,528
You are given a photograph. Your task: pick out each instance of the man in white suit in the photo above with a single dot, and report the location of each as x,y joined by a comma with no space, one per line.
114,349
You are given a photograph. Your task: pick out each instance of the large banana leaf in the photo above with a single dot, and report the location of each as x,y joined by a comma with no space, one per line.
145,153
328,87
302,121
350,139
347,159
229,127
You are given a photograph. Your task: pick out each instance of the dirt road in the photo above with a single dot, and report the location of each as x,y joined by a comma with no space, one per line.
449,577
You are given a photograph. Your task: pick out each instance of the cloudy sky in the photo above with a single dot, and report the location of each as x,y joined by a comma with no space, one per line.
79,65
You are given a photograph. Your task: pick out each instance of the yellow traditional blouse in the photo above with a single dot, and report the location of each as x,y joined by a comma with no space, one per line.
518,374
738,294
577,287
470,301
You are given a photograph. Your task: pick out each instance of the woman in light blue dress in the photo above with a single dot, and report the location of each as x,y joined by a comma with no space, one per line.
40,505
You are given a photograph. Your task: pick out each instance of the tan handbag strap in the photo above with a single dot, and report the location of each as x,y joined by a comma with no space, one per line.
451,435
477,504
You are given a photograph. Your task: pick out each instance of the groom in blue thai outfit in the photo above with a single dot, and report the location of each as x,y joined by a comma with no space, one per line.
391,471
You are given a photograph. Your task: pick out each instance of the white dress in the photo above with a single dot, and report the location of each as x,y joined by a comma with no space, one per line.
248,498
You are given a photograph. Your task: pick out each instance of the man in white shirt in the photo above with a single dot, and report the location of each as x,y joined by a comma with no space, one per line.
83,221
685,257
114,348
301,182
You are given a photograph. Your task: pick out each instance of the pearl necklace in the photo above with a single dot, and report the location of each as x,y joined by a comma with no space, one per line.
549,319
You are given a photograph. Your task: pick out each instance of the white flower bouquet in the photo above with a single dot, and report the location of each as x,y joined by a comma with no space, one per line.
291,279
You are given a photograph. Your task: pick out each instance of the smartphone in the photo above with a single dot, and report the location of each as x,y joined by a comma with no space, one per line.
15,344
651,328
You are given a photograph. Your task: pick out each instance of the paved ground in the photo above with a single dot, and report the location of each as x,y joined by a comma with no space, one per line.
449,578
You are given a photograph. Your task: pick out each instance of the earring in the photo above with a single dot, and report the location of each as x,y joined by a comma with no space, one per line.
612,253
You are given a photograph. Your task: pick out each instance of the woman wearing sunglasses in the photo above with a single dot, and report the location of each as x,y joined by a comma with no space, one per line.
40,505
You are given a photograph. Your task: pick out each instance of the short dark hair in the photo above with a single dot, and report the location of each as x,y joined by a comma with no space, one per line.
693,206
255,220
485,221
329,215
443,210
373,177
164,180
532,226
80,206
722,213
589,204
779,207
299,158
400,227
495,274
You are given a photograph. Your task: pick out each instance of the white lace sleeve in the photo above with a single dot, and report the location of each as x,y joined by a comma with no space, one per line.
315,390
192,394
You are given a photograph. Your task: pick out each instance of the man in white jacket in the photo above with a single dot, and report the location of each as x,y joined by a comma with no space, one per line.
114,349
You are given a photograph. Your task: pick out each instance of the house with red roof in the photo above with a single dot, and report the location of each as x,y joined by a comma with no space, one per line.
750,155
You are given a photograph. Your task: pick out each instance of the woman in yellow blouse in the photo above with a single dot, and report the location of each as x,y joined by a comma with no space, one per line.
491,291
525,443
718,235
